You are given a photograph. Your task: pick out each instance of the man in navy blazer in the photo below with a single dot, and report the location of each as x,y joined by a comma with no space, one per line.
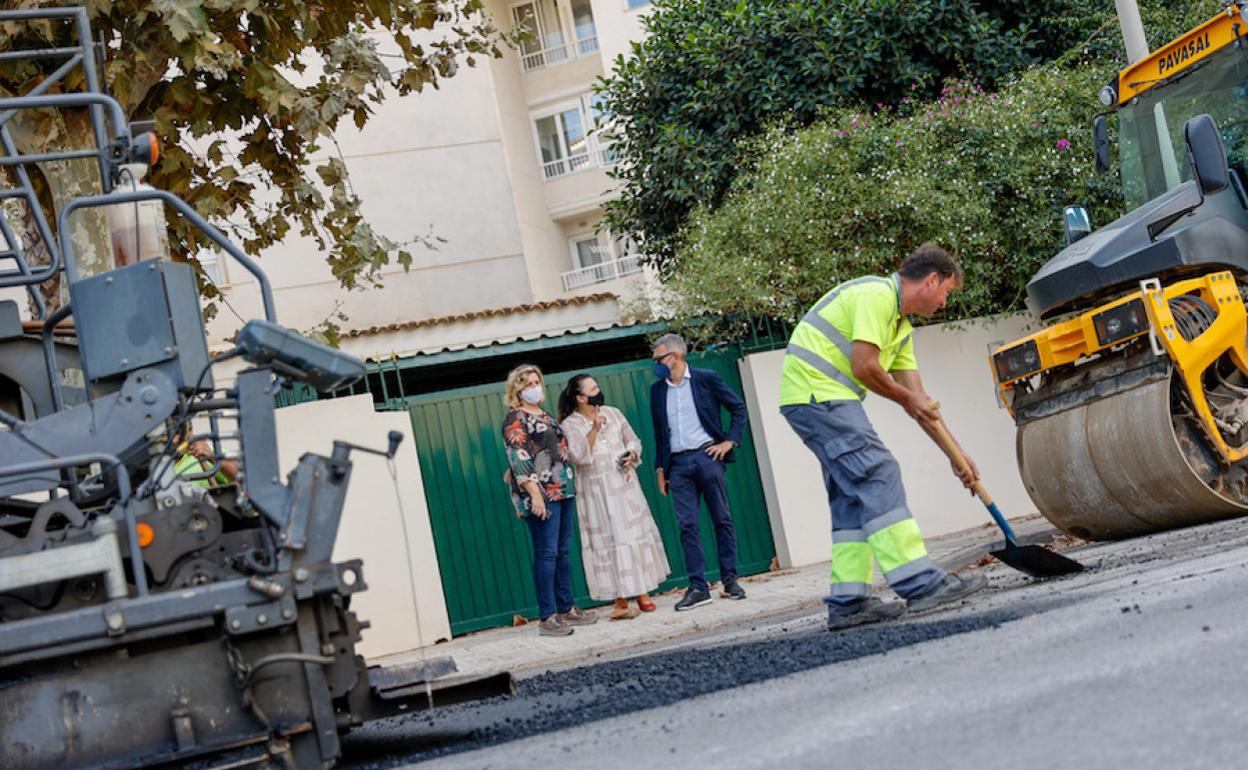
693,447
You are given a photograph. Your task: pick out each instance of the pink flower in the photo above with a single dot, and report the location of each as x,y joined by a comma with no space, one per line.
1063,144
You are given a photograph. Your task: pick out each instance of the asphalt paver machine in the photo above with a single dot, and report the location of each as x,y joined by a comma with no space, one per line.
147,619
1132,409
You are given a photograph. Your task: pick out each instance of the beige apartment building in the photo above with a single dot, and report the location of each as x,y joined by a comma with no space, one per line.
507,164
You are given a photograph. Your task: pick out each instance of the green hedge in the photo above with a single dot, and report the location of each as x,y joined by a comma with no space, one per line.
711,74
985,175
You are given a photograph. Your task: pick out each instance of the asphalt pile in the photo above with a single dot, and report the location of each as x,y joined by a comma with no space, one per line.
558,700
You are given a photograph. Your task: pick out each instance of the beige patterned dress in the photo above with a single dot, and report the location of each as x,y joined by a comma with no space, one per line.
620,544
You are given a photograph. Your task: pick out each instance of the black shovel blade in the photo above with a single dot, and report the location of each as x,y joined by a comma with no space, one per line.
1036,561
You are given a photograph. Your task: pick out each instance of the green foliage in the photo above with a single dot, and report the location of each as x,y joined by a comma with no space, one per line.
985,175
246,96
713,73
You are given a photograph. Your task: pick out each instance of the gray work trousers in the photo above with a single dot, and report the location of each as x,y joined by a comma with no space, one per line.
870,518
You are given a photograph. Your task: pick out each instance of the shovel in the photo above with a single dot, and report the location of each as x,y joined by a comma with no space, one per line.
1030,559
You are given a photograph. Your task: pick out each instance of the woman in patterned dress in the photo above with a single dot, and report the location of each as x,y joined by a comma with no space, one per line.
620,545
543,494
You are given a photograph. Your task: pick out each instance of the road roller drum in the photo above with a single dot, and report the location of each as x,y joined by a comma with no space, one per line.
1126,465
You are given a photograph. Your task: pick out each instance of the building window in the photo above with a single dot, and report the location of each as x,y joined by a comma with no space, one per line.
583,27
588,252
572,137
599,258
209,260
555,31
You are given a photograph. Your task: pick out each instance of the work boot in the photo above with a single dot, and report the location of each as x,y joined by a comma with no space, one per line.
578,617
953,588
552,626
873,610
693,598
732,590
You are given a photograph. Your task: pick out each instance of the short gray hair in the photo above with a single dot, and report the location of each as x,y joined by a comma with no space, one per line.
672,341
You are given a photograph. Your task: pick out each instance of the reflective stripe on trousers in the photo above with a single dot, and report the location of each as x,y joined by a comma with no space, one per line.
870,519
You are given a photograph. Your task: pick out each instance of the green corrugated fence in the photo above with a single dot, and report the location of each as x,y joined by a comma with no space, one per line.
484,552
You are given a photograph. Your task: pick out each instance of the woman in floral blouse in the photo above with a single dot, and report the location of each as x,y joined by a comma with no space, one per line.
543,493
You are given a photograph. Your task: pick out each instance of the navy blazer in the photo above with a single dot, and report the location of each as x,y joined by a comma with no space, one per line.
709,394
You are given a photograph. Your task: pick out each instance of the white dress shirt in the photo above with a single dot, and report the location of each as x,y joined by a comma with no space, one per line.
685,430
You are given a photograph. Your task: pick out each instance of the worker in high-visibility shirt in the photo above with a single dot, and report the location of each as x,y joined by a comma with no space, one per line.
857,339
197,458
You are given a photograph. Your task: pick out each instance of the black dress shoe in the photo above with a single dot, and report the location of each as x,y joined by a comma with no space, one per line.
733,590
693,598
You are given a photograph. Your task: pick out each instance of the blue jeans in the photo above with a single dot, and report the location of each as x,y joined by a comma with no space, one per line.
695,474
552,572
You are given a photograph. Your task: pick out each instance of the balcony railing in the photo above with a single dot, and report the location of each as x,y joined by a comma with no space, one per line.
559,53
628,264
595,156
544,57
587,45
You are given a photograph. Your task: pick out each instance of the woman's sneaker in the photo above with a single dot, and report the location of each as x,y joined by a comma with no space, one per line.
553,626
872,610
577,617
953,588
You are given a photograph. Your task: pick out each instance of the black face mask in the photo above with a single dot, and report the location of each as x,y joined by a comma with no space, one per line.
597,399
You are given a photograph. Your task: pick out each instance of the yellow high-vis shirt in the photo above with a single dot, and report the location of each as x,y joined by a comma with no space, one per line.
817,361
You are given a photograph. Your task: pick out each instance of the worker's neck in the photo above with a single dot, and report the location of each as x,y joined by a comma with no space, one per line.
909,295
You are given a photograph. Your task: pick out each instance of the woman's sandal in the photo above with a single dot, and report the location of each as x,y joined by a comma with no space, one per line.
624,613
646,606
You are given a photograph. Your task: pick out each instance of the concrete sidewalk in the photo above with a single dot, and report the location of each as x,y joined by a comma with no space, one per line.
771,594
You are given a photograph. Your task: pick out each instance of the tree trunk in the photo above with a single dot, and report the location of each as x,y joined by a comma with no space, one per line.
65,180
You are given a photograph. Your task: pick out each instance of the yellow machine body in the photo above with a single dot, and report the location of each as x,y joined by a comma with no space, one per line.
1071,341
1127,463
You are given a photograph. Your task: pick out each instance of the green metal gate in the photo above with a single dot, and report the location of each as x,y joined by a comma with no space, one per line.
484,551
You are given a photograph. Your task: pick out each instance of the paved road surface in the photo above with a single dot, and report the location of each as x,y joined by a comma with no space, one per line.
1138,662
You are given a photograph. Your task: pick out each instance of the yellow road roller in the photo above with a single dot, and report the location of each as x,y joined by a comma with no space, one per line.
1132,406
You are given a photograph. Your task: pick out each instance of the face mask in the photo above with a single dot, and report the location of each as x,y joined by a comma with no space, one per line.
598,399
532,395
662,371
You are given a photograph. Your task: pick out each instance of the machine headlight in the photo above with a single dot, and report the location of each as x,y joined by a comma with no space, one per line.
1109,95
1119,323
1018,361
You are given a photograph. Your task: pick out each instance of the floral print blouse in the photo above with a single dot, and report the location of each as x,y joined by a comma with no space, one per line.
538,451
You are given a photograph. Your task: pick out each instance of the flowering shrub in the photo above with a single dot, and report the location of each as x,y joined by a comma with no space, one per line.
984,174
710,74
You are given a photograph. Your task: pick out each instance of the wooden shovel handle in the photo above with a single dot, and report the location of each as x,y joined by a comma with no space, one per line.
950,448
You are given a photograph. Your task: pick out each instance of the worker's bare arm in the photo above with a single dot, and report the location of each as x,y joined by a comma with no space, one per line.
865,361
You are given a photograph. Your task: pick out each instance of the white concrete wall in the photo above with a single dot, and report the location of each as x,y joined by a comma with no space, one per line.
955,370
371,527
618,26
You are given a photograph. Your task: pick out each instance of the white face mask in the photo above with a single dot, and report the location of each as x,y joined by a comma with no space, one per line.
532,395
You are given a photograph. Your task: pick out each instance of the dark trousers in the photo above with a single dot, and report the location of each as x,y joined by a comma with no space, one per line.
694,475
552,572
